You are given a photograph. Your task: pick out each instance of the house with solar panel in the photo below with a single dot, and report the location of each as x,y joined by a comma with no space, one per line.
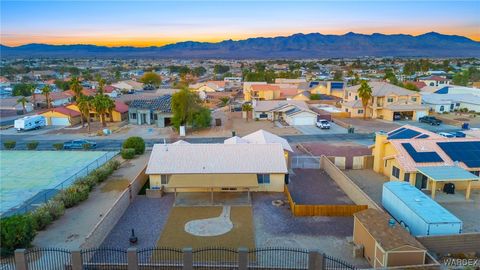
427,160
155,111
389,102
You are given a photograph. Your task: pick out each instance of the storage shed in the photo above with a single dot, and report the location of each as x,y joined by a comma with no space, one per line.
386,244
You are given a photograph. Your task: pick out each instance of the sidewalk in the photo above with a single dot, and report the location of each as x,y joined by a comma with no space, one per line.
71,229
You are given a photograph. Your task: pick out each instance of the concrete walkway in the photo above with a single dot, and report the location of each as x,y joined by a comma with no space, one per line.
71,229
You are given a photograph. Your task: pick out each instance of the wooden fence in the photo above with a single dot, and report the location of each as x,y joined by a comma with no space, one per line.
452,244
302,210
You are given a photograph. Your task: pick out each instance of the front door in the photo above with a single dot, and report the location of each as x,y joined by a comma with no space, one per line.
421,181
143,119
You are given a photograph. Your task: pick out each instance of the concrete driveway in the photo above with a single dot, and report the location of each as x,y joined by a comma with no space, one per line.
313,130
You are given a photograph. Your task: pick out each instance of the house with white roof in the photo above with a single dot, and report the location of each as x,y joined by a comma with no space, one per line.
293,112
450,102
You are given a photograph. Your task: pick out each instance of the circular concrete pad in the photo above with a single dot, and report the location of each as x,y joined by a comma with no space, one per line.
211,226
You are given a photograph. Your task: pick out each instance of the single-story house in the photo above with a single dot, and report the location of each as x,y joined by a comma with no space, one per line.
119,113
449,102
385,242
128,86
57,99
185,167
61,116
293,112
151,111
11,106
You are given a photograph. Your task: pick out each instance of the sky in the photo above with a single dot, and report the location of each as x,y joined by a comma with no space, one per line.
156,23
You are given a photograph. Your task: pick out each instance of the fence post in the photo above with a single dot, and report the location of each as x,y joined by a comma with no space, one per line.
321,261
187,259
20,260
242,258
312,260
77,263
132,259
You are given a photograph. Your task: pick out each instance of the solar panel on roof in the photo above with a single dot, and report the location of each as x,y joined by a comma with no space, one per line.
423,136
395,131
466,152
421,157
404,134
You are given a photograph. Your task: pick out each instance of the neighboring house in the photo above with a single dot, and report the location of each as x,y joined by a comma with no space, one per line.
111,91
11,106
209,86
389,102
329,88
290,81
216,168
385,245
57,99
61,116
449,102
247,89
119,113
128,86
427,160
293,112
151,111
434,80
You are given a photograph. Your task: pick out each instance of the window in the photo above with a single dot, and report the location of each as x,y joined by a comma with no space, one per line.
360,111
414,99
396,172
263,178
406,177
164,179
133,115
390,99
386,163
346,109
349,94
356,97
457,104
155,116
477,173
263,115
442,108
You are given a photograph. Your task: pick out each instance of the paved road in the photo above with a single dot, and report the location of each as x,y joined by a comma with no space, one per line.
115,144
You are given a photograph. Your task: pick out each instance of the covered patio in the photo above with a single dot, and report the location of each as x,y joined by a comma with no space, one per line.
445,174
194,187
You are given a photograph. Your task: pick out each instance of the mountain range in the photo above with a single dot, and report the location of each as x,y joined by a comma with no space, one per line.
314,45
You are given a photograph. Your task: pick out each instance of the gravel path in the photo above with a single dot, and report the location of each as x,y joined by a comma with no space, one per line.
147,217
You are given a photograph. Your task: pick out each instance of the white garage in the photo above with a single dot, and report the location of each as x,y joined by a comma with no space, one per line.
301,118
59,121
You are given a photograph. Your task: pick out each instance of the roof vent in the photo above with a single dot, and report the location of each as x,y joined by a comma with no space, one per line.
391,223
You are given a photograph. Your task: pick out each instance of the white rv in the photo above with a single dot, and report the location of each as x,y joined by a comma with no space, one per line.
29,122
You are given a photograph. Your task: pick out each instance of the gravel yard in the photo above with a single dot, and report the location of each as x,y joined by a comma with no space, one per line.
275,226
310,186
147,217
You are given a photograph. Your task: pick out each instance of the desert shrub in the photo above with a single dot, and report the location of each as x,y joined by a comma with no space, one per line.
55,208
136,143
73,195
89,181
114,164
32,145
101,174
128,153
16,232
58,146
9,145
41,218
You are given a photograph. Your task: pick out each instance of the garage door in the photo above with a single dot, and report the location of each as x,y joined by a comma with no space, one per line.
420,114
59,121
303,121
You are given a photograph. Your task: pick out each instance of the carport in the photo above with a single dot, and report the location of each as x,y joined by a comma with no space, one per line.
213,183
444,174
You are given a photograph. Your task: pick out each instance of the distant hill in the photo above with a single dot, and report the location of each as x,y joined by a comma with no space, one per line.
312,45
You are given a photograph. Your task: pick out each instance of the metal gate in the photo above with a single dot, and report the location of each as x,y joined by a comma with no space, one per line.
305,162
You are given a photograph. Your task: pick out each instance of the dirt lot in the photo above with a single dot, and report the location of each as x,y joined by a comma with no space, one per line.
343,149
369,125
369,181
309,186
241,235
473,120
233,121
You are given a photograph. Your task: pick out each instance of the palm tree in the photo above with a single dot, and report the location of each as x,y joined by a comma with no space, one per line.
23,101
76,87
84,104
102,105
247,107
34,98
101,85
46,91
365,93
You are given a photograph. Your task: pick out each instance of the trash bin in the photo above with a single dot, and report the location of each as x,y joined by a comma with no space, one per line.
351,130
465,126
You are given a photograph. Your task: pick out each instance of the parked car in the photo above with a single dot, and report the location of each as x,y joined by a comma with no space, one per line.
397,117
323,124
78,144
430,120
460,134
446,135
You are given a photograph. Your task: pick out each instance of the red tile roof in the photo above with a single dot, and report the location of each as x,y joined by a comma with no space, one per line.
108,89
65,111
265,87
434,78
120,107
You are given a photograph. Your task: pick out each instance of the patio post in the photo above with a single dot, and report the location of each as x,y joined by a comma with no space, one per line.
434,188
469,188
248,194
211,196
174,196
20,260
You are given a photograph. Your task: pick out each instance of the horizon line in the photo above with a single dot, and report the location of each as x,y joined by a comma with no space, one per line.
223,40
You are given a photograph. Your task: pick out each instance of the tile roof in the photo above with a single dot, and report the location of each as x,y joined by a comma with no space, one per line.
380,89
433,78
265,87
377,224
163,103
261,136
216,158
268,105
120,107
65,111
